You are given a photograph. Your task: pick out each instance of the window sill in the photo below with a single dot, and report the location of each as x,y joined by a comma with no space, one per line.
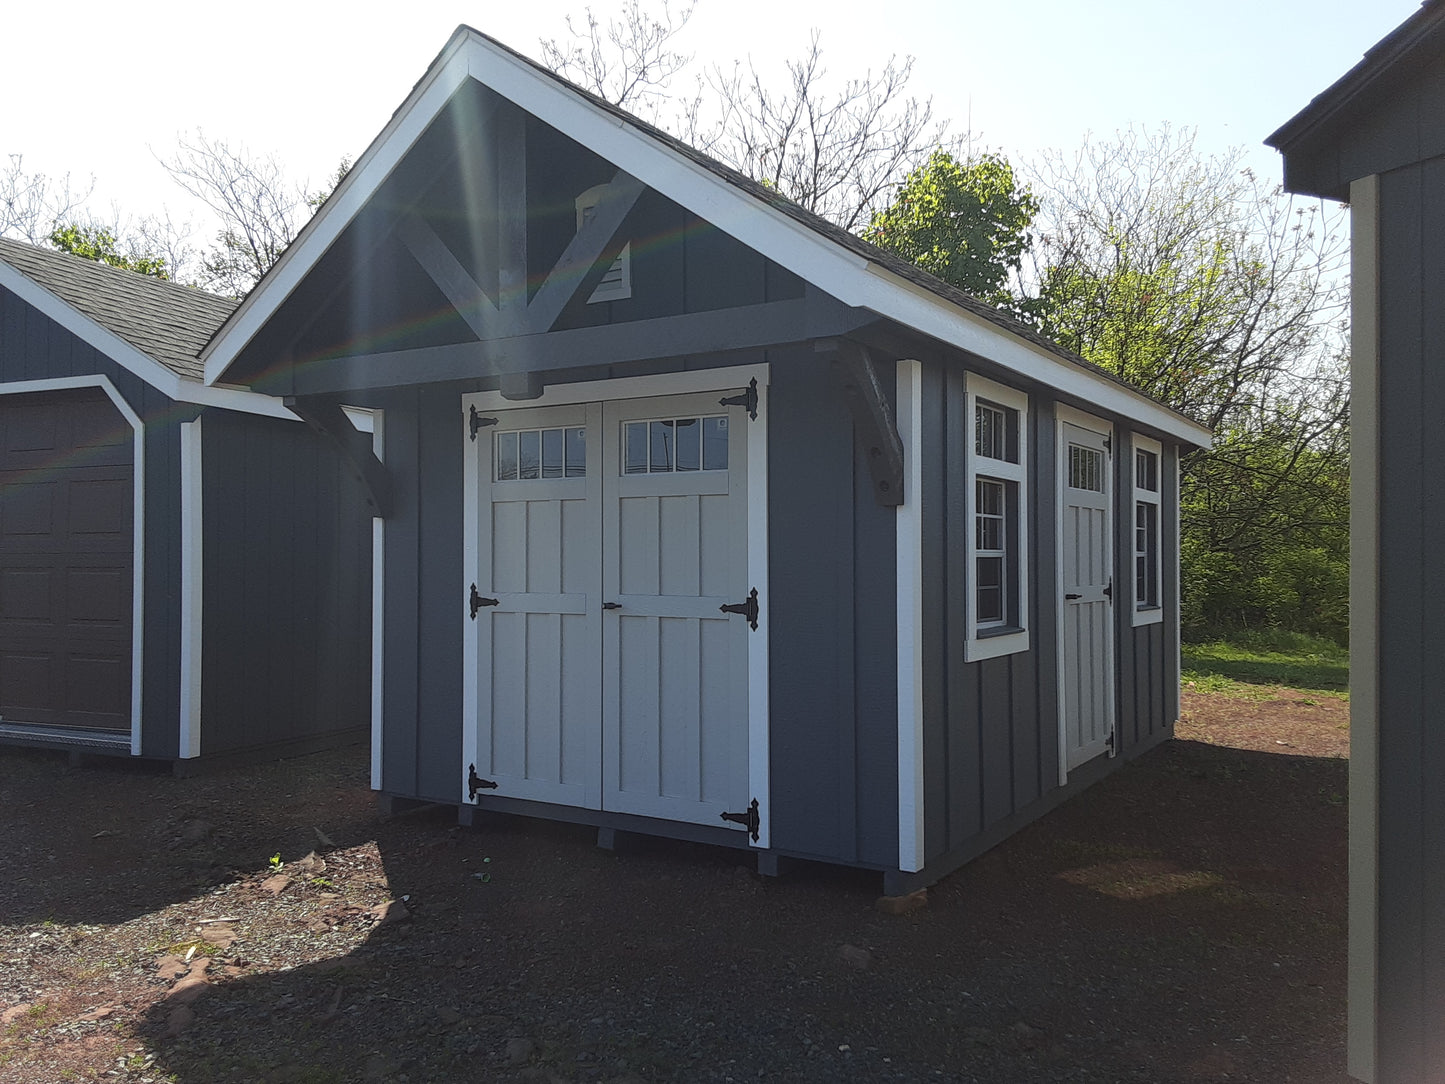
1152,616
991,645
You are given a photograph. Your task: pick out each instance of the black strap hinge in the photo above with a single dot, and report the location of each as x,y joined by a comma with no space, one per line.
475,421
477,601
476,783
748,400
751,819
748,609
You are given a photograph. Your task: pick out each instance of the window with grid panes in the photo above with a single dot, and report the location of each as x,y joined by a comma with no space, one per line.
1147,600
997,488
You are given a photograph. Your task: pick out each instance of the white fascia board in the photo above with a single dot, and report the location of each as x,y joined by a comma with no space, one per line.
142,365
426,100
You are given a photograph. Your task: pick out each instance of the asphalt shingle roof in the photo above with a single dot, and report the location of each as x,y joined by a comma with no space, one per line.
163,320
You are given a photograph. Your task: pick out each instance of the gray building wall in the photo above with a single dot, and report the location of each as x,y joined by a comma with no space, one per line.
286,586
1409,519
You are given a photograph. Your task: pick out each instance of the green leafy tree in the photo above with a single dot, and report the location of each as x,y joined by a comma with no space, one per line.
967,222
98,243
1226,300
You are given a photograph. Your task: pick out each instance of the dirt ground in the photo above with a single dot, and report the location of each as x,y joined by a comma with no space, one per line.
1182,921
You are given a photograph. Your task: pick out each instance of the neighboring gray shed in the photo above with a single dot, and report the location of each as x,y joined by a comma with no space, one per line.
184,570
707,519
1376,139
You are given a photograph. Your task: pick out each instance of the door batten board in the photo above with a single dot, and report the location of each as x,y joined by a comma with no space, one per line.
909,530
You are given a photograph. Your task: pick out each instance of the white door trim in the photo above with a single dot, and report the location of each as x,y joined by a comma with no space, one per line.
1065,415
598,391
137,653
378,607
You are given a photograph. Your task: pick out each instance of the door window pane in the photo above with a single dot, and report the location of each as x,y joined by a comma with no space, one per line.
551,453
506,457
529,454
715,443
661,458
576,442
634,459
688,434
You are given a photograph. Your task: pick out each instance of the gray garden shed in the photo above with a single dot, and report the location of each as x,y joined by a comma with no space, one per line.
185,571
1376,140
707,519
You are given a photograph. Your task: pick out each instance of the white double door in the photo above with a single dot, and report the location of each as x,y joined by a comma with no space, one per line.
602,672
1086,583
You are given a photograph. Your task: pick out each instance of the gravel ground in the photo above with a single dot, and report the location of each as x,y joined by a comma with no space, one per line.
1182,921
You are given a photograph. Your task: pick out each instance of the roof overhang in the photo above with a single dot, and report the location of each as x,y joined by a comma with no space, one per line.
846,275
165,380
1310,140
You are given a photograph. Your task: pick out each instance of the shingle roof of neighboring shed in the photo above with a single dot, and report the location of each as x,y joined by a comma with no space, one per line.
163,320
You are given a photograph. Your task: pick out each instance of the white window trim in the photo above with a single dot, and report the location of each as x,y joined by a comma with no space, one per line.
1151,615
976,647
619,289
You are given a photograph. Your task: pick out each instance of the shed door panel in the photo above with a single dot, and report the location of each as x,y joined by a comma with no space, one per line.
538,646
1085,564
66,521
607,676
674,671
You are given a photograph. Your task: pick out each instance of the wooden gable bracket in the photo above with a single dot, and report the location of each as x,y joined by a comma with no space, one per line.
326,417
874,425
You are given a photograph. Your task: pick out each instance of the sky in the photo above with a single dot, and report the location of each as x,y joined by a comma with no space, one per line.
102,90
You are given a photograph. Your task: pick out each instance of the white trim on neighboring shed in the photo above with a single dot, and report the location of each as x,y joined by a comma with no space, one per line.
166,381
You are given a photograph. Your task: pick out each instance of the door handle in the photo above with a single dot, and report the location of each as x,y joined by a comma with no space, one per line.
612,605
1071,596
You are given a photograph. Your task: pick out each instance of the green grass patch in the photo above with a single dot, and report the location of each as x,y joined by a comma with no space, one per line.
1239,666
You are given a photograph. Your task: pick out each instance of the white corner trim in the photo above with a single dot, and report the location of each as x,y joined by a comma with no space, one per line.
137,628
142,365
908,521
1363,983
378,609
192,580
975,647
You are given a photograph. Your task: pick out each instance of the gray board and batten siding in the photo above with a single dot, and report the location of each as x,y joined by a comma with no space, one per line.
276,593
1376,139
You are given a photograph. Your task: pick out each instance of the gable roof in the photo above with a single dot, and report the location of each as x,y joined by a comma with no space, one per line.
851,270
1412,48
151,327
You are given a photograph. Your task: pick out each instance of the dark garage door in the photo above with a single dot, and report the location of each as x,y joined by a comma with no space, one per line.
66,514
